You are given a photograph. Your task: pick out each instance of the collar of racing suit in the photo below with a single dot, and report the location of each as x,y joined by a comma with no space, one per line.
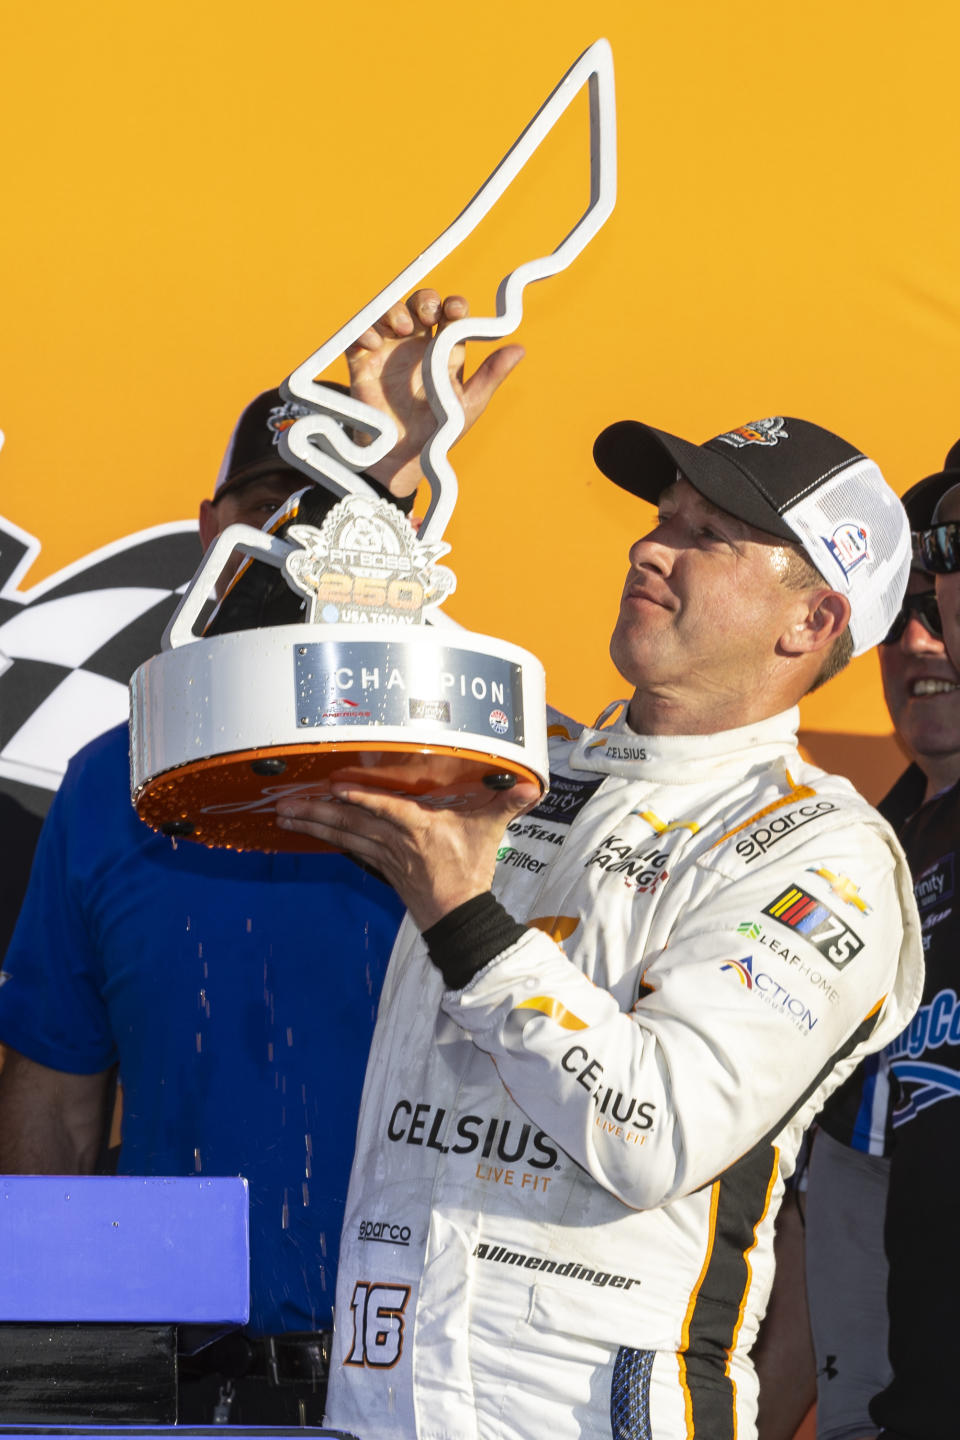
615,749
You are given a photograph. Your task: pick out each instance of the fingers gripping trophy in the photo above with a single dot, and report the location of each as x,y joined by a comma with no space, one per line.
370,683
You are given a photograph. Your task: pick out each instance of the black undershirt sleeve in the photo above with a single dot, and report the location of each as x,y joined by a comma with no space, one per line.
470,937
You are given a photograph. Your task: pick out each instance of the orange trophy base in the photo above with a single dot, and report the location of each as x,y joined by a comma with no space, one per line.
230,800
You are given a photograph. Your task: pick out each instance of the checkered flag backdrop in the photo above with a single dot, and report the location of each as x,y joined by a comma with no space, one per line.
69,645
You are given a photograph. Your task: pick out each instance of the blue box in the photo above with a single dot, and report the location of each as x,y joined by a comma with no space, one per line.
122,1248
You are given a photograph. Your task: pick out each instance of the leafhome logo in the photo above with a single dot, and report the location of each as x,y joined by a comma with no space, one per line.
821,982
570,1270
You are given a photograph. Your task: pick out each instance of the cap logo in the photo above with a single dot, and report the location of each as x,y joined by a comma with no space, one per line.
757,432
281,417
849,545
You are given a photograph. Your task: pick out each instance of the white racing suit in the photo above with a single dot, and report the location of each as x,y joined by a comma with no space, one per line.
561,1209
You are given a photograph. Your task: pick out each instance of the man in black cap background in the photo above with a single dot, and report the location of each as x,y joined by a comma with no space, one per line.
883,1204
670,962
236,992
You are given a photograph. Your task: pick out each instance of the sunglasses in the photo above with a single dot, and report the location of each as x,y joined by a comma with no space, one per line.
924,606
937,549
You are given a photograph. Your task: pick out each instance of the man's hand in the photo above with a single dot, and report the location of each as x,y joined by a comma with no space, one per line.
434,859
386,372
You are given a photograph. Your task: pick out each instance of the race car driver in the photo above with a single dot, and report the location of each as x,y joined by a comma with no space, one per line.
603,1033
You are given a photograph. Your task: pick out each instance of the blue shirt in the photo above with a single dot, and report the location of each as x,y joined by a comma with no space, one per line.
237,992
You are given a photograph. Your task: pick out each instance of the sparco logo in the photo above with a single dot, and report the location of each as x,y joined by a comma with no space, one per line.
759,841
506,1140
384,1231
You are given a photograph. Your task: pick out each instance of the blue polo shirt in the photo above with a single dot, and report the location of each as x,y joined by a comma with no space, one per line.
238,994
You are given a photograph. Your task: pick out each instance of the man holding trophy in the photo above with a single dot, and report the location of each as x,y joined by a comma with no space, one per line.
608,1019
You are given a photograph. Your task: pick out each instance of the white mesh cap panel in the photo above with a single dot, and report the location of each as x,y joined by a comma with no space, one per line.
856,532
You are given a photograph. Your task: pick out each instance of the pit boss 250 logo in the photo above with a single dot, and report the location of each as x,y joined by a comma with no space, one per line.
817,923
365,565
757,432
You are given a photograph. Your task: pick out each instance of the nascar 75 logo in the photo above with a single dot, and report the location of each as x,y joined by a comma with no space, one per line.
817,923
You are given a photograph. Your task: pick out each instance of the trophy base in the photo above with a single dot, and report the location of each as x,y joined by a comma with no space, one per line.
224,728
230,800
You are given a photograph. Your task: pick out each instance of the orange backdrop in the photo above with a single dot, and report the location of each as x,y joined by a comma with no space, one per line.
195,196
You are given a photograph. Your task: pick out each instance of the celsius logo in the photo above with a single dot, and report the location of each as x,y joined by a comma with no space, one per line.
504,1140
624,1109
384,1231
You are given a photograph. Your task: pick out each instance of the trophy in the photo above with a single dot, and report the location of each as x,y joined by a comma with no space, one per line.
371,683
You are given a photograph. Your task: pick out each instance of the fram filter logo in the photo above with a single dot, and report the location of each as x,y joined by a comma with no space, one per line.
809,917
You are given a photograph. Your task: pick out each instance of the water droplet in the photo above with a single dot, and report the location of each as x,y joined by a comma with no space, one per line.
285,1213
196,1161
269,1049
289,1035
199,1043
306,1193
249,924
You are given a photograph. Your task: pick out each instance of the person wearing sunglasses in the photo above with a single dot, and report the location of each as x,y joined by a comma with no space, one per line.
883,1204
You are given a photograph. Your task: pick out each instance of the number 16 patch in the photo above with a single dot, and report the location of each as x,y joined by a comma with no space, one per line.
817,922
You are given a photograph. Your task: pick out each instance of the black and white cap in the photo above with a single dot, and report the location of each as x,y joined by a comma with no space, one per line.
254,447
794,480
922,500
